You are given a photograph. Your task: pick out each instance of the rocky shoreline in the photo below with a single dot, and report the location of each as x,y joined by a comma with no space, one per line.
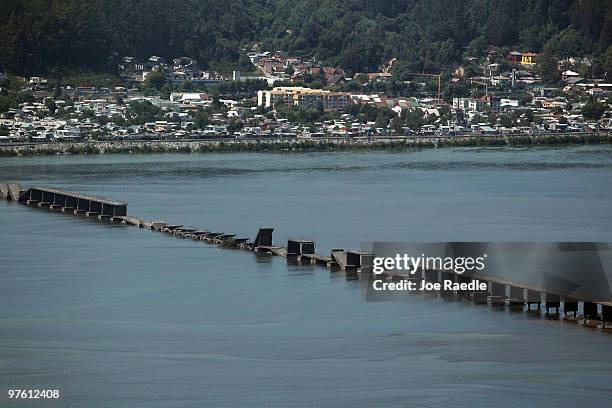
322,144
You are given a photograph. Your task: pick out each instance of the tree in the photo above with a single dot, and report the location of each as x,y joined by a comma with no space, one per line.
186,85
118,120
525,99
87,113
234,125
506,121
477,46
593,110
50,104
201,119
166,90
547,66
155,79
216,103
381,120
397,125
413,119
103,120
140,112
38,37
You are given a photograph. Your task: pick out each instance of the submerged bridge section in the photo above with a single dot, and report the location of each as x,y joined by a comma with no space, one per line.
514,295
76,203
10,191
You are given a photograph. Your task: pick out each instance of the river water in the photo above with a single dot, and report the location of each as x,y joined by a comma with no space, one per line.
114,316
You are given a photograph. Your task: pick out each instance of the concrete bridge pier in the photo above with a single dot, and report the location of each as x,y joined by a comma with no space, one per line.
107,211
46,199
359,260
70,204
57,202
82,206
463,279
480,297
31,197
497,294
606,314
95,208
298,247
553,301
448,276
591,314
533,297
516,298
570,306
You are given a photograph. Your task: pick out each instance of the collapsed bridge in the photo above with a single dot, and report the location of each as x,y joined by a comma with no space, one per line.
500,292
65,201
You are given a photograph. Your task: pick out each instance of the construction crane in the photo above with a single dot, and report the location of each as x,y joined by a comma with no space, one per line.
486,85
439,76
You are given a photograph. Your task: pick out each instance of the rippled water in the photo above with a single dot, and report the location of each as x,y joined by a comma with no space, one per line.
114,316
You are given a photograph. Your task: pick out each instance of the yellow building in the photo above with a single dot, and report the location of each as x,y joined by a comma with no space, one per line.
528,58
303,97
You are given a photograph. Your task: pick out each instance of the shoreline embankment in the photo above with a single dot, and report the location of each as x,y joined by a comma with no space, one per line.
297,144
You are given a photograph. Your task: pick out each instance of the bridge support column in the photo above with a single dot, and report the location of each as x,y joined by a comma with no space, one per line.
589,309
606,314
533,297
516,299
497,295
569,306
553,301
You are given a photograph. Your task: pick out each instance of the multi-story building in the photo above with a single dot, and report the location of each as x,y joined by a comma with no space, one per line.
303,97
469,104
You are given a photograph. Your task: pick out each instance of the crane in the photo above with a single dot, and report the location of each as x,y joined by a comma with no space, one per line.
481,83
439,76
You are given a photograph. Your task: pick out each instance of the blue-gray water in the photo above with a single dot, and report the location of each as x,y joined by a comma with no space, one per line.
114,316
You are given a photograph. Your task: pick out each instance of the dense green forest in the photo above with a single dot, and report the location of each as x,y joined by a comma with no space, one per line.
55,36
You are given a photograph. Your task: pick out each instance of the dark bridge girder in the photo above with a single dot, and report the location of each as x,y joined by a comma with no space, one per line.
73,202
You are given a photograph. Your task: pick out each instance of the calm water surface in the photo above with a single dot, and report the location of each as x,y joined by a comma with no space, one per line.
114,316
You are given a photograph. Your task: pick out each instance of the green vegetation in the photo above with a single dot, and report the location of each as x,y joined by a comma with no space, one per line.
12,93
593,110
57,37
431,35
141,112
305,116
546,67
155,80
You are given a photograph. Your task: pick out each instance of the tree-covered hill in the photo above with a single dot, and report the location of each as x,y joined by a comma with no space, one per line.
430,34
39,36
45,37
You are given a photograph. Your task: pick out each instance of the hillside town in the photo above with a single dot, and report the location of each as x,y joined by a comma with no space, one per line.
290,97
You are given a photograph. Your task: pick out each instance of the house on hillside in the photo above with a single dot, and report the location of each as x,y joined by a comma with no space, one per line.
514,57
528,58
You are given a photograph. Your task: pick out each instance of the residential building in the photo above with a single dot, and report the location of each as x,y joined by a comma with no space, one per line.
469,104
303,97
528,58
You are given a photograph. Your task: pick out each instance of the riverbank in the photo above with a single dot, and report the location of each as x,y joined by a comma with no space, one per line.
322,144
